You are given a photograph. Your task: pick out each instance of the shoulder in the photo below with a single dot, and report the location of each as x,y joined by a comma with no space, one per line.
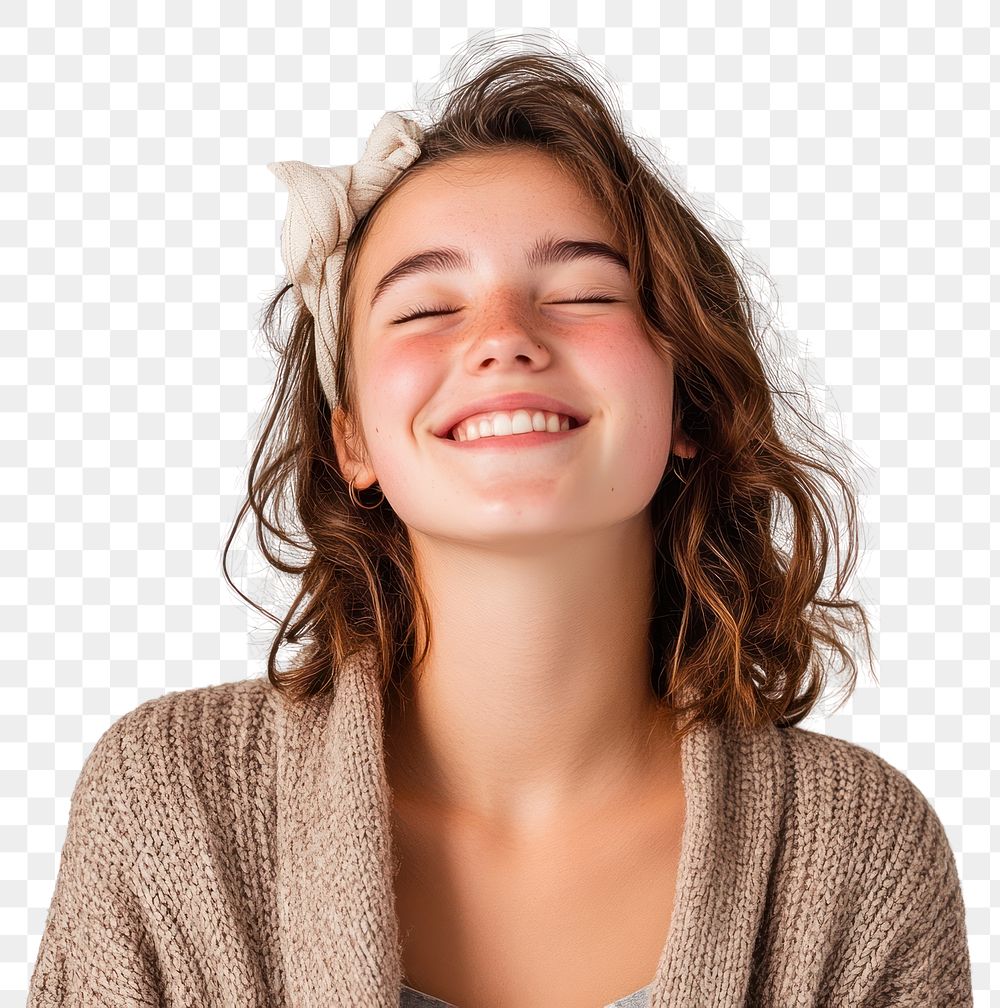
852,809
847,781
186,741
169,823
239,704
864,869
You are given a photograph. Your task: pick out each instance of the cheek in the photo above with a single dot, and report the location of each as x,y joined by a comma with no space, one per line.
397,384
634,377
636,383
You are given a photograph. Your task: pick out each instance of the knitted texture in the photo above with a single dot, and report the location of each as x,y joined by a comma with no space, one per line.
225,848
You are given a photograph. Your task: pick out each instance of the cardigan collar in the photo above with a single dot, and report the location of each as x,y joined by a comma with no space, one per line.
339,938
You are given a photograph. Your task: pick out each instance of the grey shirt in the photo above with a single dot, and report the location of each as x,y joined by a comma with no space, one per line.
410,998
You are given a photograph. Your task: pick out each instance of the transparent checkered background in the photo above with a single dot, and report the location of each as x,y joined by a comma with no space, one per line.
849,151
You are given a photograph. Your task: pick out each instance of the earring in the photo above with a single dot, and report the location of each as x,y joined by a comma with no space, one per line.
352,491
676,469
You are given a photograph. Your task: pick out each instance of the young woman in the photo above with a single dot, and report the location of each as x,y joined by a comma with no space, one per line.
540,747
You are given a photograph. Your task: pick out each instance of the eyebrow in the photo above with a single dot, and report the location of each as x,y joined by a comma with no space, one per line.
545,251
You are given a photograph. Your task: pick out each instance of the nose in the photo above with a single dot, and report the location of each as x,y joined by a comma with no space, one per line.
504,339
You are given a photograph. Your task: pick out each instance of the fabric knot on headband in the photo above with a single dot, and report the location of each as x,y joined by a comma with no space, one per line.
324,204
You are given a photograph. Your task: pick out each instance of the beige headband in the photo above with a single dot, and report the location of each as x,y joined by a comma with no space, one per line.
324,204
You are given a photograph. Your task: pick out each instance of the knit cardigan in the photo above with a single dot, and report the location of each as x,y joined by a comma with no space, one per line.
225,848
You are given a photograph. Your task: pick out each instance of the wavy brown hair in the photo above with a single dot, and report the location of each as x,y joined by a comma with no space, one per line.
742,631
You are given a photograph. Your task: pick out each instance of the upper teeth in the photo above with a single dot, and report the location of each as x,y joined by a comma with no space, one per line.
497,424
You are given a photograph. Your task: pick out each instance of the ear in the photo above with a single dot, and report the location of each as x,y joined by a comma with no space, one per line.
350,450
681,444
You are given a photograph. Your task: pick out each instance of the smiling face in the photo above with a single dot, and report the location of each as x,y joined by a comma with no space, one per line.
503,324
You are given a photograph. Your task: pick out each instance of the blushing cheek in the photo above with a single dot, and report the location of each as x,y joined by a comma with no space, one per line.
647,386
401,384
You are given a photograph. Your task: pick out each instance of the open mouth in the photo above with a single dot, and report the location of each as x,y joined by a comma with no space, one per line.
573,424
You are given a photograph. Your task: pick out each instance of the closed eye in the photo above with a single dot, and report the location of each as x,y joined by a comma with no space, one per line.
422,312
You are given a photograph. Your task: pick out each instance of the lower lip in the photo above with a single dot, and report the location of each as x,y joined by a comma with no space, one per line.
511,442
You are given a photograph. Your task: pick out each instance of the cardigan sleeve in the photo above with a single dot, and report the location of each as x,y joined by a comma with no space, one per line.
95,948
923,921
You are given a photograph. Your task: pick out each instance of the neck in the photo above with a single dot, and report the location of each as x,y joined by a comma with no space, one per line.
534,703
